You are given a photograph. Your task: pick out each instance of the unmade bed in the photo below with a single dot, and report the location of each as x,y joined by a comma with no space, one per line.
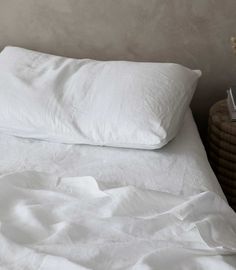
102,168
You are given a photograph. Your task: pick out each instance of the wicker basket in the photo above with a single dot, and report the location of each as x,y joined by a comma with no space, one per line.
222,149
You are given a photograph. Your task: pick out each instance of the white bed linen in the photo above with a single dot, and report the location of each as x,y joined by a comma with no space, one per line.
83,101
139,210
181,167
69,223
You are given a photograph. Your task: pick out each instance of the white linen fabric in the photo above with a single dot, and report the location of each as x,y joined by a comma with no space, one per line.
145,210
114,103
181,167
50,223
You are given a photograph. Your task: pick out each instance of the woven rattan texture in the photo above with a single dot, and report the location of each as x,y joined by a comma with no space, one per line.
222,149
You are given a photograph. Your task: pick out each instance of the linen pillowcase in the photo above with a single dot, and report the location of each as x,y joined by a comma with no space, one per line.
83,101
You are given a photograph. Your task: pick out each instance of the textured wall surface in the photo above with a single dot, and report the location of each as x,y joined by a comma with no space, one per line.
195,33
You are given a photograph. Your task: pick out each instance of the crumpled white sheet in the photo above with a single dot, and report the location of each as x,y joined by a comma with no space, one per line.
69,223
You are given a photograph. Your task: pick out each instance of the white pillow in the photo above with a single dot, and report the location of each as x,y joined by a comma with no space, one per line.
113,103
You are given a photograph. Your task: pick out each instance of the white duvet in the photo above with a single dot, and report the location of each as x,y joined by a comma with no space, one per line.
70,223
